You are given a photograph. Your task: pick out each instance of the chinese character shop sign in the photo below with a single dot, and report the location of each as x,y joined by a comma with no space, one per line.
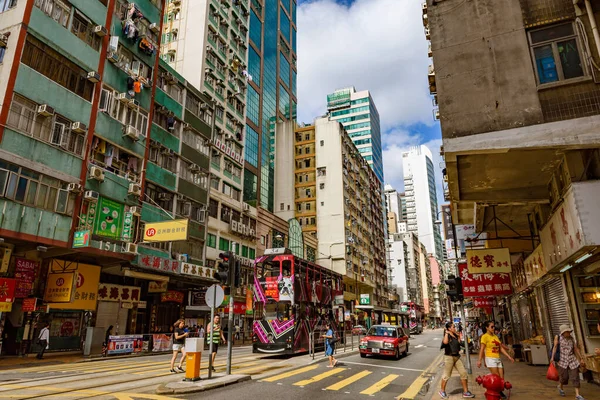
112,292
168,231
25,275
172,295
86,292
159,263
7,290
489,261
59,287
484,285
197,271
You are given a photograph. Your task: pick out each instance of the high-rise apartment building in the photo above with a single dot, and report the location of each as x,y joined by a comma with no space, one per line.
98,140
414,282
335,192
395,203
421,198
207,42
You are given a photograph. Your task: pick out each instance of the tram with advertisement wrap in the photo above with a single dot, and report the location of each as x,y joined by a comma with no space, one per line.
292,299
415,312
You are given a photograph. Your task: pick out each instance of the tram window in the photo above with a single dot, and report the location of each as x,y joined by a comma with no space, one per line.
267,269
286,268
272,311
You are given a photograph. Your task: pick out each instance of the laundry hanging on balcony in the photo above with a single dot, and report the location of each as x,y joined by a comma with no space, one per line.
133,12
147,47
171,123
247,75
130,31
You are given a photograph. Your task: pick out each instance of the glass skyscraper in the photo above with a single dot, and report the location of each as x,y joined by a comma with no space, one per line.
271,93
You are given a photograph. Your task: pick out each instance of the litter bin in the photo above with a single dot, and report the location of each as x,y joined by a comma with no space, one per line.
193,348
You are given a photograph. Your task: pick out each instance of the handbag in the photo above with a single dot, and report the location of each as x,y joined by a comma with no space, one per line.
552,374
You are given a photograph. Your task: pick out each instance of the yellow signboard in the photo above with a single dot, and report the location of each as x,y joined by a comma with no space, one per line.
86,293
5,307
59,287
167,231
488,261
5,253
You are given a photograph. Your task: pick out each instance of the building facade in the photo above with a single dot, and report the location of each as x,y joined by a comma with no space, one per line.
421,198
398,266
538,150
335,193
98,139
414,281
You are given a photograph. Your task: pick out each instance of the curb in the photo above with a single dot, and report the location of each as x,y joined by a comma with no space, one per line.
423,382
312,362
164,390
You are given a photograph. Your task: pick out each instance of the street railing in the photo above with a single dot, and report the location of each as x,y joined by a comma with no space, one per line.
348,342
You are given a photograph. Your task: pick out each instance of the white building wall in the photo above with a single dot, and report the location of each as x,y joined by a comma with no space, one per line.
398,266
284,193
10,24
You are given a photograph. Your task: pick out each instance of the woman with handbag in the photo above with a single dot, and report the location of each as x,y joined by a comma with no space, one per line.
565,347
329,345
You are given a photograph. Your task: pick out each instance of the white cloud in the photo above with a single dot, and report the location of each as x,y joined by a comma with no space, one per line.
377,45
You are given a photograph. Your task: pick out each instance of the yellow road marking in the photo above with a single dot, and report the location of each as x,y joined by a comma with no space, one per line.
379,385
414,389
290,373
319,377
348,381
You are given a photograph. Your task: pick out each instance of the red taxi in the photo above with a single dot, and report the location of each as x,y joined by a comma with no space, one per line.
385,340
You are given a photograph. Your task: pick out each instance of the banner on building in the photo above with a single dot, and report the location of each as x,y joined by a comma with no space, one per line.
112,292
468,236
365,299
109,219
197,298
161,343
5,253
249,300
172,296
125,344
29,304
489,261
5,307
59,287
81,238
484,285
157,286
166,231
25,271
535,265
483,302
155,263
86,292
239,308
197,271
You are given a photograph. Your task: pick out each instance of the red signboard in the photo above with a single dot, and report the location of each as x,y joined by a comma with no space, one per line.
25,276
7,290
239,308
484,285
29,304
484,302
172,295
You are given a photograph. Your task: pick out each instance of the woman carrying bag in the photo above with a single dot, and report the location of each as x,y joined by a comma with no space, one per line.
565,347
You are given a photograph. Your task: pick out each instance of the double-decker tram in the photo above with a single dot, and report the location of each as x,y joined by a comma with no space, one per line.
293,298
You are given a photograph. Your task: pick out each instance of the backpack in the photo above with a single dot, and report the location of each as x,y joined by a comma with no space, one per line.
557,354
334,339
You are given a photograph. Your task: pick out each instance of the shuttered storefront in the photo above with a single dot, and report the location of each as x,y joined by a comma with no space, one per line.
109,313
556,303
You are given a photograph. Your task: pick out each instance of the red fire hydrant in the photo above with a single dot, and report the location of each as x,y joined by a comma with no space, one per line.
494,385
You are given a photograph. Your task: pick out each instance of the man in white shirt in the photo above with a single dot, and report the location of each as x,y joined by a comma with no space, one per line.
44,340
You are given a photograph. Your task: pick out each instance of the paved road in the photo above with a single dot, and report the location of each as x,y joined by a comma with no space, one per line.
354,378
126,378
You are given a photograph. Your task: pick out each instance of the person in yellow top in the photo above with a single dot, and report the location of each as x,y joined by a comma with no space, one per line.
492,347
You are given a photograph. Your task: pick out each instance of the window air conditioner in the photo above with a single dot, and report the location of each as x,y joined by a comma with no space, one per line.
131,132
136,211
97,174
134,189
131,248
93,76
74,188
90,195
100,30
78,127
45,110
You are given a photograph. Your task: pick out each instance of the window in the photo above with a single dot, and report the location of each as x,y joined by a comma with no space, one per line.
225,214
116,160
191,172
55,129
307,205
251,253
190,209
245,251
122,112
7,5
556,53
198,108
163,157
213,208
214,182
322,203
281,207
55,9
223,244
211,240
2,52
57,68
133,65
321,186
33,189
322,143
83,28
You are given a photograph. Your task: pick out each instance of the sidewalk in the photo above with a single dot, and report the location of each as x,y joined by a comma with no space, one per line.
529,382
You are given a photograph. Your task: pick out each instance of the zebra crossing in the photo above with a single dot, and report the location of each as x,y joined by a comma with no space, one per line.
344,379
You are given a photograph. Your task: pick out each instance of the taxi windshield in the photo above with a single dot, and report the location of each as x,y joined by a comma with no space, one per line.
384,331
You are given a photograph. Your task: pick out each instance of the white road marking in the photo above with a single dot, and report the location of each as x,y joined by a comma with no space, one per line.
437,338
419,346
383,366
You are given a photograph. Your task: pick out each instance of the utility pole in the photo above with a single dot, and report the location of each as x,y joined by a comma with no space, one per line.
232,289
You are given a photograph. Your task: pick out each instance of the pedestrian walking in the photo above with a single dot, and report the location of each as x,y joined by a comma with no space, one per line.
330,345
109,332
451,347
201,332
179,335
569,360
215,335
237,332
44,340
491,347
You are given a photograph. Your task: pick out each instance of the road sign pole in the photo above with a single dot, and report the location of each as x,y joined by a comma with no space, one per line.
210,343
466,337
230,332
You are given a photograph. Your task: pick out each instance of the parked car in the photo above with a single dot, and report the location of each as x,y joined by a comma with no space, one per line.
385,340
359,330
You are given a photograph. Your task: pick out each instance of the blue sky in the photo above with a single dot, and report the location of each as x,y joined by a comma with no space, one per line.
378,45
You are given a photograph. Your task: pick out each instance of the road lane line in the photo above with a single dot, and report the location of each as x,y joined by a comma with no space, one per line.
290,373
348,381
319,377
371,390
414,389
380,366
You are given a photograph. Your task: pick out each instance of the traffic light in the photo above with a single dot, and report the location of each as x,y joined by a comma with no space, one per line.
222,273
454,288
236,273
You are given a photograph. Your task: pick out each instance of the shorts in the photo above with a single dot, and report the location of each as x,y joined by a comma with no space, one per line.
215,347
564,374
493,362
328,350
453,362
178,347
